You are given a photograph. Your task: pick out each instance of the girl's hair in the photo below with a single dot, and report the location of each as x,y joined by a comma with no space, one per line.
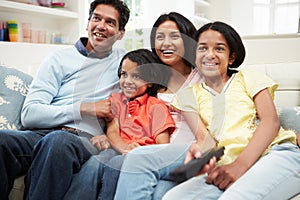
119,5
232,38
187,30
150,69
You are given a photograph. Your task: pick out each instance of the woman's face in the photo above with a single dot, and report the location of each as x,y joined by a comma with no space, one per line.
131,83
213,54
169,44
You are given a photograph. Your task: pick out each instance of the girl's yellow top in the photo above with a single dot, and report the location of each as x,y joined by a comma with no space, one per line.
230,116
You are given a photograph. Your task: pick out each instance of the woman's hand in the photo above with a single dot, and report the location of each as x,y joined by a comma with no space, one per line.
100,142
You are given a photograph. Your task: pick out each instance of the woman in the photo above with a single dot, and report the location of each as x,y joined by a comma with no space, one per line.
172,41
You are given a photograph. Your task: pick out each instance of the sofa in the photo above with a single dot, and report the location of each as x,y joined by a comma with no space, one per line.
14,85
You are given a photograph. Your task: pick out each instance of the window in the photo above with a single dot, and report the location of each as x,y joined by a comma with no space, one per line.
134,29
276,16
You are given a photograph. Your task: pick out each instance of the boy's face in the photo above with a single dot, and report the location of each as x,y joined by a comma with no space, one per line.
131,83
103,29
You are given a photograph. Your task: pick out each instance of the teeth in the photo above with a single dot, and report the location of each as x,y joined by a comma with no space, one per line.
98,34
210,64
168,51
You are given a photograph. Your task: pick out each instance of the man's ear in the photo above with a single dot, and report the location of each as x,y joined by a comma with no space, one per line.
87,25
121,34
232,58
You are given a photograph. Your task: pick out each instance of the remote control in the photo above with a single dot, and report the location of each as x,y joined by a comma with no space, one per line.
191,168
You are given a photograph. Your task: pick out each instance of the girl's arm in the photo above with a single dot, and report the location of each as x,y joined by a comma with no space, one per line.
266,131
204,140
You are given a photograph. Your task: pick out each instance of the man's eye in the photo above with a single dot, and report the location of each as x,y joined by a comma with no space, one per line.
95,19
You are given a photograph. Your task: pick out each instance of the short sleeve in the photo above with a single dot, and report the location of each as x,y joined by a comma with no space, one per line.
161,119
256,81
185,100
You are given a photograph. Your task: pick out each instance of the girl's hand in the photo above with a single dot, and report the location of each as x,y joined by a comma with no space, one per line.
194,152
100,142
224,176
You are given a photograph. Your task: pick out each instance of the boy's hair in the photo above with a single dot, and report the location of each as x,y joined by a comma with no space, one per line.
233,40
187,30
150,69
119,5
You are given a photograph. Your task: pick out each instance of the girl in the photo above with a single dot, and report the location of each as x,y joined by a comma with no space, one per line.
261,160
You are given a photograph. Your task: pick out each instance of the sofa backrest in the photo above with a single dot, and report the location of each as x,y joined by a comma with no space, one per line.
287,75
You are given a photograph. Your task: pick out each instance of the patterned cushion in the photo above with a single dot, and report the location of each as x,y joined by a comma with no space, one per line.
14,86
290,118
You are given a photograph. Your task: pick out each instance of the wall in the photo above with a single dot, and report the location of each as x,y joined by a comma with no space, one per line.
25,56
272,49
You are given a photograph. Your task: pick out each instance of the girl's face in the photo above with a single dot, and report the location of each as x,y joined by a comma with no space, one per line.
213,54
131,83
169,45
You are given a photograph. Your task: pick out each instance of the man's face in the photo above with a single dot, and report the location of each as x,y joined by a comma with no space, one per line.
103,29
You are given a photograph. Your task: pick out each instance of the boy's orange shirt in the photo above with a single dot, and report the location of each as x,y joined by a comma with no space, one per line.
141,119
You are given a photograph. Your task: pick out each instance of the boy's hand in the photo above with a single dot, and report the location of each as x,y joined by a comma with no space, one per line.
100,142
130,147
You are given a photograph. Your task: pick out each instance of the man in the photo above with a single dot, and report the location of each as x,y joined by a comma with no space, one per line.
64,109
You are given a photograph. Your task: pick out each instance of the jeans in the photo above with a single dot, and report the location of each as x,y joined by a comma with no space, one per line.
97,178
15,157
274,176
51,158
144,167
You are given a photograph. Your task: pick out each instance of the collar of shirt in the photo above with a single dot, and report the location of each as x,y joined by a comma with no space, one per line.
134,105
81,47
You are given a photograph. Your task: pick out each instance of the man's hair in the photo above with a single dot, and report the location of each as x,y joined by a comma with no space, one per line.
119,5
150,69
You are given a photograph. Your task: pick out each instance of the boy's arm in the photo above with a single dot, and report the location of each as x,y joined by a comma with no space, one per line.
163,137
113,134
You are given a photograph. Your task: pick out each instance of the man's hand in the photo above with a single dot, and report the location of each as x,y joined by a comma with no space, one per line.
100,142
100,109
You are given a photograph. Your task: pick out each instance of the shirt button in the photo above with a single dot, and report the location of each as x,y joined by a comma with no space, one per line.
129,115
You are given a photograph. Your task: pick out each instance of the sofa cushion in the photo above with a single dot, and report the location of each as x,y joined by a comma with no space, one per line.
14,86
290,118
